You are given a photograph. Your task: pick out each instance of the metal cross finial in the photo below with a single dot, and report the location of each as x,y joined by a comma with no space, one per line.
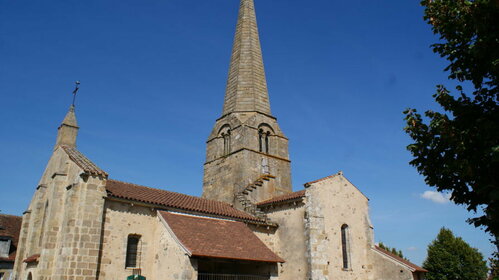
77,87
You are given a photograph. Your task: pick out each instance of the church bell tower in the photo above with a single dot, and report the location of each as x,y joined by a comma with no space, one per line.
246,143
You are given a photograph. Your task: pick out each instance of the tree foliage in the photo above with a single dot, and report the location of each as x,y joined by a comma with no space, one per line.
451,258
457,150
494,267
392,250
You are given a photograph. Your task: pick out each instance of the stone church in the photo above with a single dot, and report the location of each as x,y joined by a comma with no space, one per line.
248,224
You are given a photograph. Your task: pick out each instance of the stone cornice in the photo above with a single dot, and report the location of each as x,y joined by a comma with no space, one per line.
251,127
246,149
228,114
58,174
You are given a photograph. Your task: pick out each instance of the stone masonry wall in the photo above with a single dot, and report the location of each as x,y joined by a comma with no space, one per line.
78,246
332,203
227,172
159,256
37,213
122,220
235,172
317,239
388,269
289,240
63,223
170,259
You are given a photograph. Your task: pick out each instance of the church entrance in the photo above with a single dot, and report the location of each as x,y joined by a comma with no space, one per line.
211,269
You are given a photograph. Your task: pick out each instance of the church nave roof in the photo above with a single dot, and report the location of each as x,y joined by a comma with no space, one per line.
169,199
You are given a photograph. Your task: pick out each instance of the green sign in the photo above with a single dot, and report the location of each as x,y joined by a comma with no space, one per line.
135,277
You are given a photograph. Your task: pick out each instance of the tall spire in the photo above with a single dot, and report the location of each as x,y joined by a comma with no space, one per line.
68,130
246,143
246,86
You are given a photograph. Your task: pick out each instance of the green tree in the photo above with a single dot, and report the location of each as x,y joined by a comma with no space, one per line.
451,258
494,267
392,250
457,150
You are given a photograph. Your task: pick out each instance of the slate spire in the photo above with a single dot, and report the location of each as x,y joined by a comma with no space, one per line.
68,130
246,86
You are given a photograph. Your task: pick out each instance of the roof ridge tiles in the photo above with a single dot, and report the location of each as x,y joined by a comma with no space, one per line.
10,215
165,198
399,259
324,178
283,198
82,161
151,188
201,217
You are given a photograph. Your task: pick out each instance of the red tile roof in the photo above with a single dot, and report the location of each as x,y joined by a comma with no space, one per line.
283,198
10,226
83,162
175,200
32,259
397,258
216,238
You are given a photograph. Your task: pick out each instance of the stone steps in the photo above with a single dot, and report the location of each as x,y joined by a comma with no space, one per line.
247,205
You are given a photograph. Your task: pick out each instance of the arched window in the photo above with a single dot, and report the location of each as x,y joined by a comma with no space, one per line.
226,137
30,277
264,133
44,220
132,251
267,135
261,141
225,134
345,246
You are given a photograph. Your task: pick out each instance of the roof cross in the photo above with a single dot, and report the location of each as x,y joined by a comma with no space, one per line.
77,87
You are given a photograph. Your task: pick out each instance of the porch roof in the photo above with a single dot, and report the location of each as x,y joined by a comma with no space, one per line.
217,238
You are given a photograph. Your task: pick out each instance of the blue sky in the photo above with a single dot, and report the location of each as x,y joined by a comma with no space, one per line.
153,76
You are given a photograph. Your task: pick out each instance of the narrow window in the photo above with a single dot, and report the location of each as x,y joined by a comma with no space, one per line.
224,133
260,140
226,137
345,247
44,220
132,251
267,142
30,277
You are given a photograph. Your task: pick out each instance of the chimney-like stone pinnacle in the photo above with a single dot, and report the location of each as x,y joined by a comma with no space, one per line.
68,130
